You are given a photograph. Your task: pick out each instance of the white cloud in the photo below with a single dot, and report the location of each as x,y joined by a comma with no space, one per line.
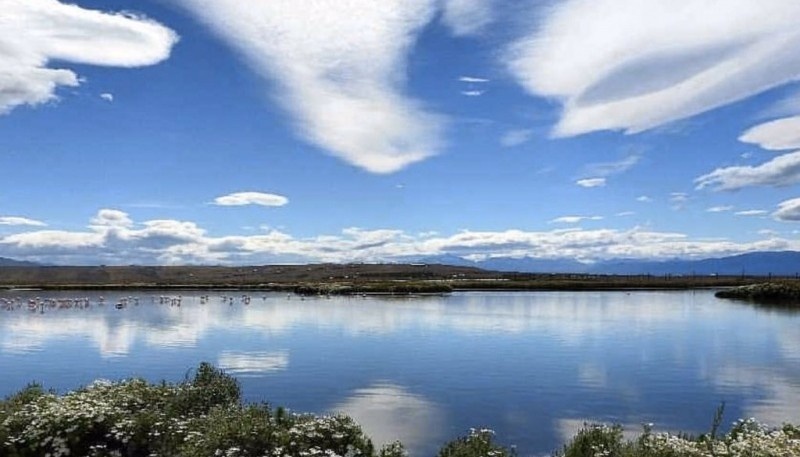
472,79
49,242
788,210
697,58
33,33
111,218
15,220
775,135
779,172
473,93
516,137
107,96
113,238
751,212
591,182
251,198
644,199
719,209
574,219
339,71
467,17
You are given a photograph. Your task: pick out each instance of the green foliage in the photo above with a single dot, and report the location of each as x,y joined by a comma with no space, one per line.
596,441
394,449
199,417
478,443
204,417
210,387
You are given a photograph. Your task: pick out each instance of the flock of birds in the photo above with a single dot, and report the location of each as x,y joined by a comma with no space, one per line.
41,304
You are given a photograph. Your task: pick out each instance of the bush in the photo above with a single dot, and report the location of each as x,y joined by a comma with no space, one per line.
197,418
478,443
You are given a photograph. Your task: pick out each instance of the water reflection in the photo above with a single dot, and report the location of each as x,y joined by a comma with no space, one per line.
534,366
390,412
572,317
242,364
33,333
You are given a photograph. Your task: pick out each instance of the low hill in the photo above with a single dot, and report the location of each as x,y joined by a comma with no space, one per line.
15,276
6,262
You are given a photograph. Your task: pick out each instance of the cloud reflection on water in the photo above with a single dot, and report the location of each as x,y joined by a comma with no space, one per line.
570,317
30,333
253,363
388,412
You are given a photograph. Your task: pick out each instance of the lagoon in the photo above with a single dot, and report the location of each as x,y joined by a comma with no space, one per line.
533,366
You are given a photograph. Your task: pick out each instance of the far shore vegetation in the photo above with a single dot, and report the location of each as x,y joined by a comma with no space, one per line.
204,416
779,294
336,279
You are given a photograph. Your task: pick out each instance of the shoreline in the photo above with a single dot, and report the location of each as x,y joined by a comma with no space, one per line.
350,279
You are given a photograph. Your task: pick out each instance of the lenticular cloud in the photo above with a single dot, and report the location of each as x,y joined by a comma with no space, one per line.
339,70
633,65
34,32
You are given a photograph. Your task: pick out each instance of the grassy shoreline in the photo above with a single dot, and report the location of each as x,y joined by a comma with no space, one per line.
328,279
343,279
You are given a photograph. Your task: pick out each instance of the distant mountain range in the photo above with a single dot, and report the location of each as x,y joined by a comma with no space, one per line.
784,263
5,262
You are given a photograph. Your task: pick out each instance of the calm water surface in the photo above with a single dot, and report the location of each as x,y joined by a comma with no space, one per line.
532,366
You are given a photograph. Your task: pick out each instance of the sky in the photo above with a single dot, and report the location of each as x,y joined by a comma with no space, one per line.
292,131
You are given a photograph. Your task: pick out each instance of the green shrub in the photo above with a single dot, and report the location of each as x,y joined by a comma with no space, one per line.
478,443
197,418
596,441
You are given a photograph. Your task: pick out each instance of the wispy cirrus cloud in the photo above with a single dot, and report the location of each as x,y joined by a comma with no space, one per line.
574,219
719,209
516,137
696,58
751,212
472,79
338,69
16,220
34,33
605,169
591,182
597,173
679,200
781,171
251,198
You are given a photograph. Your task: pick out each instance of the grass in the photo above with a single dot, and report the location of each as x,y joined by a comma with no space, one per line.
770,293
343,279
205,417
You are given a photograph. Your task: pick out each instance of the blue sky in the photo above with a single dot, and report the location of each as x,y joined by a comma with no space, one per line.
229,132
